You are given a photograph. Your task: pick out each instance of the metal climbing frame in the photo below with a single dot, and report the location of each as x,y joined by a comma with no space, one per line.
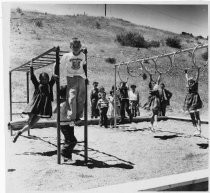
51,56
154,59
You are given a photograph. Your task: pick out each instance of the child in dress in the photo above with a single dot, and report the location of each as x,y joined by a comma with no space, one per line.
134,100
110,112
103,105
41,104
193,102
155,103
75,67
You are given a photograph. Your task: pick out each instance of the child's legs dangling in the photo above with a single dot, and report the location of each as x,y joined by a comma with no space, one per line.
192,115
81,96
197,117
71,98
33,119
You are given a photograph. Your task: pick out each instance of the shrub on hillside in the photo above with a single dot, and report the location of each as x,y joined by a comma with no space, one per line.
111,60
132,39
98,25
154,44
173,42
19,10
38,23
187,34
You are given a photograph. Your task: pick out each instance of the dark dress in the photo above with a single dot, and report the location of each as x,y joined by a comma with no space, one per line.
41,103
192,100
155,101
94,100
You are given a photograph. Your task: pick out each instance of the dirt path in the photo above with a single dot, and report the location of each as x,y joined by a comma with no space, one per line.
118,155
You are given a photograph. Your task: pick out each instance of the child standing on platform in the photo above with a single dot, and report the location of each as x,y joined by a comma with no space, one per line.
94,100
41,104
103,105
76,74
193,102
110,112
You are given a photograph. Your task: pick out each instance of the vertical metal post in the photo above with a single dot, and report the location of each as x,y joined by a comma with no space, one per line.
27,91
105,10
115,107
10,98
57,72
86,120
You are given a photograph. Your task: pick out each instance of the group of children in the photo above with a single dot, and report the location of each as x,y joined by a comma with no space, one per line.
127,100
72,97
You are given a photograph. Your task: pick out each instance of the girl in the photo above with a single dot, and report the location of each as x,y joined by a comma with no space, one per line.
155,103
193,102
41,104
110,112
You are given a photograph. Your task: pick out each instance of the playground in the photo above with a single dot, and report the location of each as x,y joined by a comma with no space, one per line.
140,154
107,156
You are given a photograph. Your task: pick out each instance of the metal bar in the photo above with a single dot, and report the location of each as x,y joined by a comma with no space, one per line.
49,57
64,51
115,80
57,72
20,102
86,119
53,55
163,55
17,113
10,98
45,53
27,90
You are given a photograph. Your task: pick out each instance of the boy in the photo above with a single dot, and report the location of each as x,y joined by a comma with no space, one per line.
76,70
94,100
103,105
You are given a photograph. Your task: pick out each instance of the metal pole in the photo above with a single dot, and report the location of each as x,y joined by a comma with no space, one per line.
115,79
10,98
57,72
105,10
86,119
27,85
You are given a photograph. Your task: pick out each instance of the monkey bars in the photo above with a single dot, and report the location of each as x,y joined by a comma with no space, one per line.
51,56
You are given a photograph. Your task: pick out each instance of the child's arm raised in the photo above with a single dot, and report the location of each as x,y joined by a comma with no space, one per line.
198,74
186,75
158,80
33,77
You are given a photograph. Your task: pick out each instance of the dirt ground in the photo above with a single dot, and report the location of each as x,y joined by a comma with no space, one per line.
128,153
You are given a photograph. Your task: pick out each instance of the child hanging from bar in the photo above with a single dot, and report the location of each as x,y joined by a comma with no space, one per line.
75,67
41,103
94,100
193,103
155,103
70,140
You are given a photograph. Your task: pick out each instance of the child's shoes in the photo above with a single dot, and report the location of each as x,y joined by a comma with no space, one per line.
16,136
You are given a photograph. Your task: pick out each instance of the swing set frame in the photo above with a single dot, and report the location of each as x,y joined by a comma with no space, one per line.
51,56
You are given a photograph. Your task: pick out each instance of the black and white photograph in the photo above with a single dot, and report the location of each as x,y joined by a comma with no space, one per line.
105,97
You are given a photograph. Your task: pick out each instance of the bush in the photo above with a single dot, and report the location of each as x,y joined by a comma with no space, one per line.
154,44
132,39
19,10
38,23
98,25
111,60
187,34
173,42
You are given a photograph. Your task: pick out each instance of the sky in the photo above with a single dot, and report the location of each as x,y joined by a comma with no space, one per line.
176,18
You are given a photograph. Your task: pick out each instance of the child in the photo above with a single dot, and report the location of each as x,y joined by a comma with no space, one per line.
155,104
124,100
101,90
133,100
94,100
70,140
41,104
76,74
165,96
193,102
103,108
117,99
110,112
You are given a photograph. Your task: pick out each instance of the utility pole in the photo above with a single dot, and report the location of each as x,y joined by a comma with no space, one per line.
105,10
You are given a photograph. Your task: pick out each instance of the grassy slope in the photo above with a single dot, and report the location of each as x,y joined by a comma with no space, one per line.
28,40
